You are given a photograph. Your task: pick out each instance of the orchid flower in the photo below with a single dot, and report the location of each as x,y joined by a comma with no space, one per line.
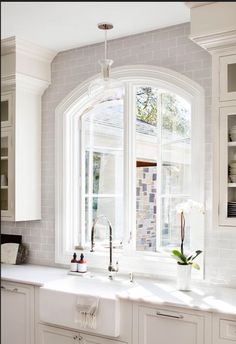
185,208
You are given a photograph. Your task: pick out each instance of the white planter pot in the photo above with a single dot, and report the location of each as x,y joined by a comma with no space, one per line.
184,277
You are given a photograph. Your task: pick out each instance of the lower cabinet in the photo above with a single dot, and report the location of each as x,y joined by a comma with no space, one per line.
17,313
54,335
163,325
224,329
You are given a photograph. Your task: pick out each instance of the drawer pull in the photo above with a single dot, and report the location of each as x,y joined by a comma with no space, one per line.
15,290
170,316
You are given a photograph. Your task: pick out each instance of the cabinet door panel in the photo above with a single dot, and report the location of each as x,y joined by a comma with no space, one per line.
17,314
87,339
52,335
6,171
227,185
224,329
228,77
6,109
158,326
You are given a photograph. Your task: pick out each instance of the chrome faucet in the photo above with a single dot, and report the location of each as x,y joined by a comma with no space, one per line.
111,268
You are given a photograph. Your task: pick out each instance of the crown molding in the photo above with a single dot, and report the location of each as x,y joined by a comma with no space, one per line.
18,45
8,81
22,81
212,42
191,4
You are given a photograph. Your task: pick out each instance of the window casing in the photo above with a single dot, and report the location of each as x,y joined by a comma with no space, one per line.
70,217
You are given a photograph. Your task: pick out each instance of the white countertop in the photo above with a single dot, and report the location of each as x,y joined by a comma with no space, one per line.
203,296
31,274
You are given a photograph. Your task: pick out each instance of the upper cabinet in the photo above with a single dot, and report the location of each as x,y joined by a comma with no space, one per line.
213,27
6,109
6,176
25,74
228,77
227,194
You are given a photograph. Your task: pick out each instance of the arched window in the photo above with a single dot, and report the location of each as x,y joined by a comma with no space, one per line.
131,158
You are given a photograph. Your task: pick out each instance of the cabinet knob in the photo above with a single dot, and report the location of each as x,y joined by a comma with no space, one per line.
82,340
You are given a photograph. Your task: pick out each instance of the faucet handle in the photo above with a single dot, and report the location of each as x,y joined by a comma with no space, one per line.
131,277
117,266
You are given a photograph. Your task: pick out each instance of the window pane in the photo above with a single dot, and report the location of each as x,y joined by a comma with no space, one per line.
146,209
112,208
176,117
176,167
170,231
146,167
102,157
163,172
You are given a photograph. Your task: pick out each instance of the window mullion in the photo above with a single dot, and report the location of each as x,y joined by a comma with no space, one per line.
82,183
159,173
130,167
90,174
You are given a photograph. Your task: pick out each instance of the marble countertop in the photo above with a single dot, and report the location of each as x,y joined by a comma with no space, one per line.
203,296
31,274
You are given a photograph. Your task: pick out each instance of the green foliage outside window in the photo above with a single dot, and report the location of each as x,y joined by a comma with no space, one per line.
175,118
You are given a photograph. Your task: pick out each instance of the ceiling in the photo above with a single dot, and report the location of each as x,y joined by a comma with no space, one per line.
65,25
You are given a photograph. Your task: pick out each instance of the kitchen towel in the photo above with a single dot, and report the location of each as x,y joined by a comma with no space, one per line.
87,308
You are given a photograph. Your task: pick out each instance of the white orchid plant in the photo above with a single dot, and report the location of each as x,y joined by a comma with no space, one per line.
182,258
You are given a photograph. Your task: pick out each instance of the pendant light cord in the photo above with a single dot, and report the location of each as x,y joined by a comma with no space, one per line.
105,44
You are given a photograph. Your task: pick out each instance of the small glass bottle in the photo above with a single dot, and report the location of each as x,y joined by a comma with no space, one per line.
74,263
82,264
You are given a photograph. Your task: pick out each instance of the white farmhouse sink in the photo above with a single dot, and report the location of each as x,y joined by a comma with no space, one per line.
58,303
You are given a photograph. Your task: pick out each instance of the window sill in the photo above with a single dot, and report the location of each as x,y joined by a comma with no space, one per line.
156,265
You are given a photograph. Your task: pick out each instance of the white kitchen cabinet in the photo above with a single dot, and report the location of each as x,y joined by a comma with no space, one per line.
7,106
6,173
228,77
25,74
24,163
17,313
161,325
54,335
224,329
224,146
227,199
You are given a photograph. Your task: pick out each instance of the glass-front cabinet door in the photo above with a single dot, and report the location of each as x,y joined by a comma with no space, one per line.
227,206
228,77
6,109
6,184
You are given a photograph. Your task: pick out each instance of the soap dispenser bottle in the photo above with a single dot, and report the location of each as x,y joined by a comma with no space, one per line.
82,264
74,263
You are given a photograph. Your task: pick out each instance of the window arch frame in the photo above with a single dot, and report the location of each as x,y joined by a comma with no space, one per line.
67,143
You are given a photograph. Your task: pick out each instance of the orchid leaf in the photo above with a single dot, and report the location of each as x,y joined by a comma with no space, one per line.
196,266
180,256
197,254
179,261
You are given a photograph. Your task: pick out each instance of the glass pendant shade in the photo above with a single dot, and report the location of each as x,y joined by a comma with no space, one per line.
105,88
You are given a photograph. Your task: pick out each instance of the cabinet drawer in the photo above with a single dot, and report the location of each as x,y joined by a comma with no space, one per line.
228,329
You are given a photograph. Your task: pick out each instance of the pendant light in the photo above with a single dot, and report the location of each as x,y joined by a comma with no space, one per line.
105,88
